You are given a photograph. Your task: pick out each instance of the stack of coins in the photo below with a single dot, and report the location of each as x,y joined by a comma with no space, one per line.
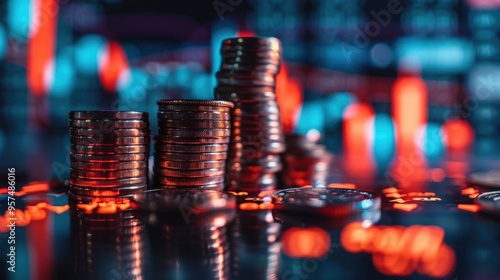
192,143
305,162
248,78
109,154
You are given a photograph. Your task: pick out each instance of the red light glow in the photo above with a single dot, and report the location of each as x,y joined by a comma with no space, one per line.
311,242
112,63
41,45
400,251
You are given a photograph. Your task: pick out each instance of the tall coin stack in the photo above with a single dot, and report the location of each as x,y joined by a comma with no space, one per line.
109,154
247,77
192,143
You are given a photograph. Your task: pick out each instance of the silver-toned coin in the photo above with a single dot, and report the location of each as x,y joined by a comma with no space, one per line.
489,202
325,201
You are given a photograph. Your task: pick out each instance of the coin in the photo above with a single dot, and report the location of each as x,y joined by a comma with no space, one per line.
194,124
192,148
195,115
108,141
489,202
186,107
127,190
205,133
114,115
107,175
190,157
109,149
109,124
184,102
190,140
188,173
174,181
488,180
128,132
112,166
99,199
107,158
329,202
241,81
107,183
198,165
216,186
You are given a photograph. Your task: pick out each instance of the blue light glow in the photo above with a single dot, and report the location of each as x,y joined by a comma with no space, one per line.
453,55
132,88
18,18
2,141
334,106
430,140
87,53
311,117
201,87
3,42
220,31
384,140
63,75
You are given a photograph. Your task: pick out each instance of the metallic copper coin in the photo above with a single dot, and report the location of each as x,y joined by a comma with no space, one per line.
216,186
195,115
108,141
174,181
245,41
236,65
107,175
107,158
205,133
113,115
237,97
191,148
187,102
112,166
188,173
194,124
190,157
190,140
99,199
106,192
198,165
107,183
241,81
103,150
109,124
126,132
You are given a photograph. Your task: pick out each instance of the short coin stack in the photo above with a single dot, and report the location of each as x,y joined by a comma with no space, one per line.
247,77
305,162
109,154
192,143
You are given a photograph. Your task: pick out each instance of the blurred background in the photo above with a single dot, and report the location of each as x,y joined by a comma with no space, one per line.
375,78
